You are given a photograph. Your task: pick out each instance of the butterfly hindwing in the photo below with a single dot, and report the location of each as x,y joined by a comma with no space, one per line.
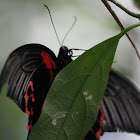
19,67
36,92
121,105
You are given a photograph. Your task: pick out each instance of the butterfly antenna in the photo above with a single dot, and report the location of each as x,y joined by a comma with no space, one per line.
53,25
75,19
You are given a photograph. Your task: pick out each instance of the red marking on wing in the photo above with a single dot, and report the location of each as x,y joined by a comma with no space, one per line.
50,64
102,116
27,112
98,134
29,126
47,59
100,121
31,95
42,106
32,111
52,76
91,130
33,98
27,96
32,88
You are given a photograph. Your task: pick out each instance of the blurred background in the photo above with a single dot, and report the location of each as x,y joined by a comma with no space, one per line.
28,21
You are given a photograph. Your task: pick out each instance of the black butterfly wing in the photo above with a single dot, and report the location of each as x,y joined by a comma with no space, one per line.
121,105
19,69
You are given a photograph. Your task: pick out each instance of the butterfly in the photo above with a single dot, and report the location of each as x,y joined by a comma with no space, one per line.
30,71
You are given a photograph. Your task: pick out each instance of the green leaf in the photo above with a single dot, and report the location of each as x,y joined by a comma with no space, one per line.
72,103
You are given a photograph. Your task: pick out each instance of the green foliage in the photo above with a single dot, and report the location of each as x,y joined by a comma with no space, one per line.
72,103
12,120
137,3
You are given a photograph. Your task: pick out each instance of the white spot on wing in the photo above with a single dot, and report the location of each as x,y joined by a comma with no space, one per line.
54,120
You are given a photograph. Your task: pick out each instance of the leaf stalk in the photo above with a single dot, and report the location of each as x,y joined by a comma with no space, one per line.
106,3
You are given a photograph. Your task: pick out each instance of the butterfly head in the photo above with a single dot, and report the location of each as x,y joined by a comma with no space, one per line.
64,57
65,52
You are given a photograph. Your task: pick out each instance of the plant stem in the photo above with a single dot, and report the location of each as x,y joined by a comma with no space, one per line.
125,10
120,24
